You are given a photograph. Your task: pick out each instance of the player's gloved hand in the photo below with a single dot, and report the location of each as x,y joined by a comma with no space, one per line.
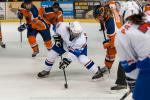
58,41
22,27
64,63
131,83
19,14
106,43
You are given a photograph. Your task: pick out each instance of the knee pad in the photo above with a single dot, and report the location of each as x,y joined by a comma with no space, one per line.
83,59
52,55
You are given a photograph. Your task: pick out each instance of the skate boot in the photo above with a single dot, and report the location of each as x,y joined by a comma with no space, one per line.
35,53
105,70
43,74
2,45
119,87
98,74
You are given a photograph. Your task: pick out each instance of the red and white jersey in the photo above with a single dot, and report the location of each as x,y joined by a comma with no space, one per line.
133,44
76,43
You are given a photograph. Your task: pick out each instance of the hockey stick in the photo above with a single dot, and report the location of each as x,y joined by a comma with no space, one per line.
104,34
20,34
66,84
126,95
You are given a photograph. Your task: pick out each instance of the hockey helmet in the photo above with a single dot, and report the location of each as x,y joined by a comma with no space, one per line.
56,5
75,28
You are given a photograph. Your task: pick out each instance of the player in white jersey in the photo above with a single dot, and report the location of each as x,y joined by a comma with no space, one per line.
129,8
133,47
72,40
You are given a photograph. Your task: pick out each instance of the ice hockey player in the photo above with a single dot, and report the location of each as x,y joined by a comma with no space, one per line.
116,16
115,11
72,40
52,15
1,42
103,14
129,8
133,48
146,7
34,25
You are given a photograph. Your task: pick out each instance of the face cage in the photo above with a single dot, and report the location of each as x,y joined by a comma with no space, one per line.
74,34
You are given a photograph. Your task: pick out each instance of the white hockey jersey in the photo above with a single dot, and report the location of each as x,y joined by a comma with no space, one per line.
133,46
75,46
76,43
130,8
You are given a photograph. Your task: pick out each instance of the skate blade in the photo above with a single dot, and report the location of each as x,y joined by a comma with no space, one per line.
117,91
98,79
46,76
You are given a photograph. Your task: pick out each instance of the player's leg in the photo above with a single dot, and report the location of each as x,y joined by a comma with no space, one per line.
1,42
31,35
121,79
46,38
109,59
91,66
51,57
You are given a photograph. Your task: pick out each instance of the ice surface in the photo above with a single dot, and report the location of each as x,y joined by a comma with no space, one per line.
18,80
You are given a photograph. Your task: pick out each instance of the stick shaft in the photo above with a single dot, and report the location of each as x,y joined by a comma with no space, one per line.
125,95
20,34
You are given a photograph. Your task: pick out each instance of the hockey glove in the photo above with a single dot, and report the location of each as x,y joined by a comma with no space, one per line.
131,83
64,63
22,27
58,41
106,43
19,15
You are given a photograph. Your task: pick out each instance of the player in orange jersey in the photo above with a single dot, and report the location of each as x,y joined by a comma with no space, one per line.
30,12
52,15
1,42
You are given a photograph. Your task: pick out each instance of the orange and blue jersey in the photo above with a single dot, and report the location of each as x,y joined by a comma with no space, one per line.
110,29
116,14
30,14
50,16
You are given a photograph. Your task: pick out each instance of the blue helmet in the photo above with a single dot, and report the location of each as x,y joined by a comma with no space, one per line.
96,10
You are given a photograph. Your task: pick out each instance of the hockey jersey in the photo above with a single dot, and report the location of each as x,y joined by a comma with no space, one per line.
75,46
116,14
130,8
30,14
110,30
133,45
50,16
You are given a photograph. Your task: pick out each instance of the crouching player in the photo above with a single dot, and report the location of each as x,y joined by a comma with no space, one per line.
34,25
71,39
1,42
132,44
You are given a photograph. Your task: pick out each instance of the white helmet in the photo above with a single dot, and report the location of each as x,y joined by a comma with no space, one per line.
75,28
